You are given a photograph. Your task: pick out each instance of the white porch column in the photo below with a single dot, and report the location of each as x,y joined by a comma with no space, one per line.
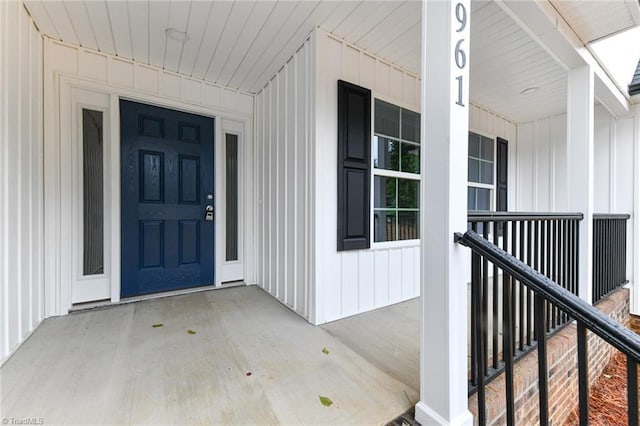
580,104
444,264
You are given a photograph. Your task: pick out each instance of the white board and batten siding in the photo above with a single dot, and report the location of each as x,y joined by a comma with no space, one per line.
616,165
542,164
352,282
492,125
21,180
67,68
284,164
542,180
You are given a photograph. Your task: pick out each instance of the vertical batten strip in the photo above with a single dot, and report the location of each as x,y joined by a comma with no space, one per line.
21,165
4,137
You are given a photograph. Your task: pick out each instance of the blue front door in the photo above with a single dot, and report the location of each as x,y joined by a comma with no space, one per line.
166,186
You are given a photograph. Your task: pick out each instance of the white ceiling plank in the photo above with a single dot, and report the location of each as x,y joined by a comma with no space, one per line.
402,45
199,16
253,28
99,20
119,19
593,20
178,19
40,15
219,16
77,13
391,27
158,22
233,28
343,10
304,19
139,19
60,18
280,17
376,14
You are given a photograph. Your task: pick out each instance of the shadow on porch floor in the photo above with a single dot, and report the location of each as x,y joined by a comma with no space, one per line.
110,366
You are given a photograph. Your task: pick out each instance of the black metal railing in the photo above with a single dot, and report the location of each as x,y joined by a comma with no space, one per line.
548,242
609,254
547,293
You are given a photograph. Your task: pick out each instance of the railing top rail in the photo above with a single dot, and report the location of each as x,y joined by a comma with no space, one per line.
611,331
611,216
488,216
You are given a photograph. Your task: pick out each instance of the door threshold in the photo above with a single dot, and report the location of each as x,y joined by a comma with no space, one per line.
107,303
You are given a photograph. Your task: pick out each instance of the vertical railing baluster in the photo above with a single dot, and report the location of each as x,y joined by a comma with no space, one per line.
514,248
485,302
583,375
475,284
565,256
576,260
541,339
480,371
495,297
632,391
507,344
596,261
548,268
536,255
554,270
529,302
521,289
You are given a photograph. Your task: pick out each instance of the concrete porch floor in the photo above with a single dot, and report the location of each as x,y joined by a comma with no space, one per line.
110,366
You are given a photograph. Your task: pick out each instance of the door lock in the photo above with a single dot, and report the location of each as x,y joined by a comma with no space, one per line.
208,213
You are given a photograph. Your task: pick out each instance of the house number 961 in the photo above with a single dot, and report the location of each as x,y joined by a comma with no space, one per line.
459,54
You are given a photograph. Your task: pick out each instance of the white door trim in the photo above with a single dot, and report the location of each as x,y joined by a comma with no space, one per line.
61,255
230,270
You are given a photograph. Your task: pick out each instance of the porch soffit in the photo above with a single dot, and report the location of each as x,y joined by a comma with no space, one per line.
242,44
596,19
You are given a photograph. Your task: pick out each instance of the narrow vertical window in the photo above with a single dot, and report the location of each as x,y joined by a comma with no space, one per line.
93,205
481,164
232,197
396,173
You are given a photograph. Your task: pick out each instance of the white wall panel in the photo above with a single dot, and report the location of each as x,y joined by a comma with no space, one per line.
541,163
354,281
283,165
21,178
602,145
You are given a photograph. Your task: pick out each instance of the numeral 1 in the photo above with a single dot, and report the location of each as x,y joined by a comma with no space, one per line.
459,101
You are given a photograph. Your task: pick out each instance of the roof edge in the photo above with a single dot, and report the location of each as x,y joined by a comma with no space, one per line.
634,86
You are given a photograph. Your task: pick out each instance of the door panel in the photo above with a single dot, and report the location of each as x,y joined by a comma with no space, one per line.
167,173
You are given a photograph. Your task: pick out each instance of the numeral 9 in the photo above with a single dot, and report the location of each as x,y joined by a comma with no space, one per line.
461,17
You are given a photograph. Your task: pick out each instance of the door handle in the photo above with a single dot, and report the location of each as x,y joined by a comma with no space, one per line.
208,213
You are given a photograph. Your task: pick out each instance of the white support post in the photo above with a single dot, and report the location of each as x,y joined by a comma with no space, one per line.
443,209
580,106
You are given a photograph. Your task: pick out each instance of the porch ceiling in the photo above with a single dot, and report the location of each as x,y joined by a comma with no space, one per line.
596,19
238,44
242,44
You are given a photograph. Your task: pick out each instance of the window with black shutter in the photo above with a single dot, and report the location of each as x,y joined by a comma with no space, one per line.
354,166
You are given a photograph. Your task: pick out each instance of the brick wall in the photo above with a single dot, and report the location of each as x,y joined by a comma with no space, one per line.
634,321
562,370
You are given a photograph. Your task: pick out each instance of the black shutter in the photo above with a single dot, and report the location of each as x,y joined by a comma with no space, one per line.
502,175
354,166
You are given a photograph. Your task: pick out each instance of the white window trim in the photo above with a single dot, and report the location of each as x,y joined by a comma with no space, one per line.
491,187
376,245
